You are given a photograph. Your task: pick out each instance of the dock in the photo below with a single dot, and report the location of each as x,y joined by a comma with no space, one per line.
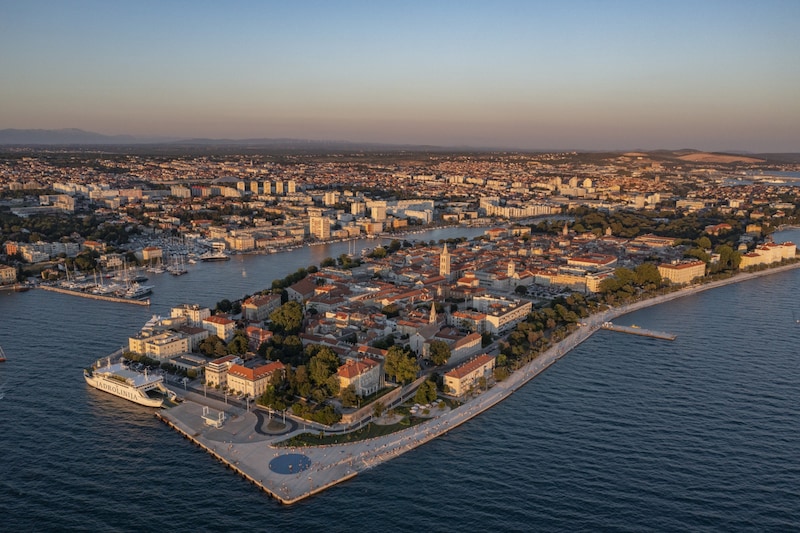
636,330
91,296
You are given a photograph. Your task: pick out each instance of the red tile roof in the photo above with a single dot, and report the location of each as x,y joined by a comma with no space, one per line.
470,366
218,320
253,374
353,368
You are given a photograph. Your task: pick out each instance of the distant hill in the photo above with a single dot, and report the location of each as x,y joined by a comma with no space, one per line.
74,136
709,157
133,144
62,137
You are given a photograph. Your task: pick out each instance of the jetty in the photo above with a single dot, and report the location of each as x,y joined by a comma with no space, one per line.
92,296
636,330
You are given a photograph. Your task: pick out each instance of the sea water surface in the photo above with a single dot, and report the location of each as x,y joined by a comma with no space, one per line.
625,433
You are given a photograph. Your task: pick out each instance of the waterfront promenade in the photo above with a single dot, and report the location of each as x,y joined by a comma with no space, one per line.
292,474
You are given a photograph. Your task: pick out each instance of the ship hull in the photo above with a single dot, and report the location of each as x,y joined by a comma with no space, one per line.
121,390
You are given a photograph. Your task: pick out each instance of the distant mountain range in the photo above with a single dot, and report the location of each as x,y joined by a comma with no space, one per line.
62,137
78,137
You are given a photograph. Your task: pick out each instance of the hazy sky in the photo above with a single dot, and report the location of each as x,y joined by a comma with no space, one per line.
553,74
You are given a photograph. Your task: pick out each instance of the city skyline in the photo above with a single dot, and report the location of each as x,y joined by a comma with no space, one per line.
518,75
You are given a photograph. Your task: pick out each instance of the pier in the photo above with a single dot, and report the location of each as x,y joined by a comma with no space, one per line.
636,330
96,296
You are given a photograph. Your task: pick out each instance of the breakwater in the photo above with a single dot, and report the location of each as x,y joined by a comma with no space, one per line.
636,330
91,296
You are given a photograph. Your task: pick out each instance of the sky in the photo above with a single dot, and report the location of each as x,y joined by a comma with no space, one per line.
534,75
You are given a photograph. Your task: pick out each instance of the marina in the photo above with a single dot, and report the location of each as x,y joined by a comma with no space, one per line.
93,296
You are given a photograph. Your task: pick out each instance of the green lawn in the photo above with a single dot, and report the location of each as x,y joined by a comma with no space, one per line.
367,432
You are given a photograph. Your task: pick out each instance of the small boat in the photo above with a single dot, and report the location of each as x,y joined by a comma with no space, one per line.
2,355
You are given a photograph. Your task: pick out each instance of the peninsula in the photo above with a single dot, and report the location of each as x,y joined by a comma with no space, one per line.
290,474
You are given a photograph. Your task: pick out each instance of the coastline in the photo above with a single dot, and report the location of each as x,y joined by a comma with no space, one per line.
250,453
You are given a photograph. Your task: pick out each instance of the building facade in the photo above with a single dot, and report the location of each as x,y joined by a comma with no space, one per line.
463,378
252,381
364,374
217,370
682,273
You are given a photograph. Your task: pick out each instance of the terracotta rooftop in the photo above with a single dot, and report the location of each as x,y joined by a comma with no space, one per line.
470,366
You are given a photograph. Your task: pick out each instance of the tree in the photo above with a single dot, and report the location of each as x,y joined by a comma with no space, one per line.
348,396
378,253
426,393
378,409
209,346
728,257
400,365
647,274
288,318
238,344
440,352
698,253
521,289
704,243
500,373
224,306
322,366
301,384
486,339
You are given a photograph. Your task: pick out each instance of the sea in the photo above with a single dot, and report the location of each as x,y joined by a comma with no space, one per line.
624,433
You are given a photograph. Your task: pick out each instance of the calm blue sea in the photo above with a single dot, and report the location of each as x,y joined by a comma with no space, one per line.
623,434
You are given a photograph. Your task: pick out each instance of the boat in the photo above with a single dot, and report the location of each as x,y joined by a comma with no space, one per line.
120,380
2,355
215,256
177,268
136,291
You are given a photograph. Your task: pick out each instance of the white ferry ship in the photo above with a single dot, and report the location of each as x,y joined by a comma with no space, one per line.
215,256
121,381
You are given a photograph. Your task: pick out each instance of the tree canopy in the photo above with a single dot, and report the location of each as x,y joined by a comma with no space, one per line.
288,318
400,365
440,352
